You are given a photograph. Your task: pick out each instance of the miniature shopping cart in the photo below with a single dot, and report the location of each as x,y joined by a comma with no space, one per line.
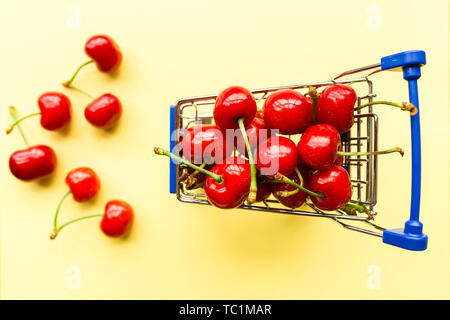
362,137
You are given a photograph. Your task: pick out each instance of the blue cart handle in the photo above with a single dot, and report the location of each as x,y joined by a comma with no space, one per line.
410,237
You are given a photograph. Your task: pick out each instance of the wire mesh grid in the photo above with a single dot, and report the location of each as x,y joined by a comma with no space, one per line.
362,169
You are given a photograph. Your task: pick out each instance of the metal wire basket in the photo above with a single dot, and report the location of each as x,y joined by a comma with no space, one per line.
362,137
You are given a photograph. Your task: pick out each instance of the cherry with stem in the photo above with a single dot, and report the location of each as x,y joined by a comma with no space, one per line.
227,185
54,109
56,228
280,178
254,182
33,162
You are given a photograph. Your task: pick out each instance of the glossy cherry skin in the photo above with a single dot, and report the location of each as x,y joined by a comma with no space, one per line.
256,131
336,107
104,51
33,162
234,189
104,111
336,186
276,155
232,104
319,145
117,219
83,183
297,199
287,110
55,110
205,143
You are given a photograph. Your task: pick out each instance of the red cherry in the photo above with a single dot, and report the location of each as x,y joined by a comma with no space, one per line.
83,183
234,187
319,145
234,103
118,218
104,111
264,190
255,133
287,110
303,167
104,51
205,143
55,110
33,162
334,183
336,107
276,155
295,200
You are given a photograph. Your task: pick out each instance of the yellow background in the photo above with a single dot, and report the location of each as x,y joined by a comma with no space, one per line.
176,49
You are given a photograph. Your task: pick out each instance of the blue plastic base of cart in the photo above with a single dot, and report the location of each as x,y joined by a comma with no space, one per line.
172,165
409,241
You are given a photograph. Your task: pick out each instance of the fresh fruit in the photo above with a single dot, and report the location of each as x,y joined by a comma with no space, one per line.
117,219
236,108
227,185
335,185
264,190
288,111
276,155
54,111
104,51
234,103
234,186
205,143
84,183
104,111
289,195
319,145
336,107
256,132
33,162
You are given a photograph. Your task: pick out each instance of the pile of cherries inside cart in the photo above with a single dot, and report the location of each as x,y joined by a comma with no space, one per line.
249,154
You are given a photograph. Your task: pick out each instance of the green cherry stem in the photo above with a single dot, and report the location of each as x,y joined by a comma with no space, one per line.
279,178
160,151
392,150
16,122
193,174
13,113
69,82
71,86
405,106
356,206
254,182
286,194
55,219
56,231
